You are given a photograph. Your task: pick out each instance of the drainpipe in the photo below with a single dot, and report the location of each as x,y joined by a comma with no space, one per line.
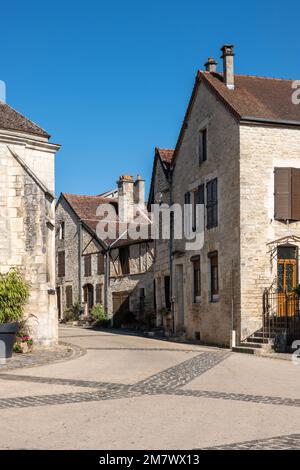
106,280
171,249
79,262
233,331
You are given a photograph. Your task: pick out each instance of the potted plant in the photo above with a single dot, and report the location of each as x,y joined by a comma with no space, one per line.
99,316
14,293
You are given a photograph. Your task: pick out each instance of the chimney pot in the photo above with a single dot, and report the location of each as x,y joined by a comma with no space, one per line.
211,65
228,65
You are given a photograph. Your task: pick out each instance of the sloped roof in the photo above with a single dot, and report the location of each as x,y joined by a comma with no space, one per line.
165,154
258,99
85,207
261,98
12,120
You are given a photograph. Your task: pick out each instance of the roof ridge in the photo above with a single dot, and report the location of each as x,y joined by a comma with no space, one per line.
87,195
260,77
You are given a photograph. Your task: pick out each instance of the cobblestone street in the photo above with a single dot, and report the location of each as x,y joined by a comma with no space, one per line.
120,391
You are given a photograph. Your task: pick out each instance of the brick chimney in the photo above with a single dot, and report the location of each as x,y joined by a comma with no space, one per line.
228,65
139,191
211,65
125,198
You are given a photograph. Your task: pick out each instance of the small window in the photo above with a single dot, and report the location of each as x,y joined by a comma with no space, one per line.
124,260
214,276
167,292
202,146
99,299
100,264
212,203
88,265
196,279
62,231
69,296
61,268
197,200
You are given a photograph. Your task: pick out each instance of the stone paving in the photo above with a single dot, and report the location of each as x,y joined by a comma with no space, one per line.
175,382
42,356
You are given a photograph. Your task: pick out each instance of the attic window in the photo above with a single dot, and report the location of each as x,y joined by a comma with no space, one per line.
202,146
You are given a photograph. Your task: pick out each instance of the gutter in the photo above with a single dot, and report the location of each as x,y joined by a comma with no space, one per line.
270,121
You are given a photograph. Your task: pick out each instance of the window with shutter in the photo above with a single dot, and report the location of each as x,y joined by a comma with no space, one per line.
295,199
198,199
196,279
61,264
100,264
212,203
88,265
214,276
98,293
124,260
287,194
69,296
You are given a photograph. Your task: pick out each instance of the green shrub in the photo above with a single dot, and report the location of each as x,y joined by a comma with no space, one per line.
14,294
73,313
99,315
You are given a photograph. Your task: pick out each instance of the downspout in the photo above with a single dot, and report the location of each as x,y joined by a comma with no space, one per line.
79,262
106,280
171,248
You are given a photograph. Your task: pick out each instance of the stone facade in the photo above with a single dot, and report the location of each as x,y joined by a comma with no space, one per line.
242,153
27,239
80,240
211,321
160,194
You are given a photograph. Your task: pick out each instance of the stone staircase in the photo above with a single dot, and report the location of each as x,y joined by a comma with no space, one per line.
257,341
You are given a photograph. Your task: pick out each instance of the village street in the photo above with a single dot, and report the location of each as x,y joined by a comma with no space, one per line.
129,392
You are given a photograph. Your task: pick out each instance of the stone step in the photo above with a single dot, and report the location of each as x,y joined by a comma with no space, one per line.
258,339
267,334
243,349
251,344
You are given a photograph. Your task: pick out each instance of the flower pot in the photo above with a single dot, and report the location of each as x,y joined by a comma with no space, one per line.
8,333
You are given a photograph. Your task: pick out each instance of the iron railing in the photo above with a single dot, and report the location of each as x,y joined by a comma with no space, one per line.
281,313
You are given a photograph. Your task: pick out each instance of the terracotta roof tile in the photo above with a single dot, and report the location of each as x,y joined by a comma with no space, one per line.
86,207
256,97
166,154
12,120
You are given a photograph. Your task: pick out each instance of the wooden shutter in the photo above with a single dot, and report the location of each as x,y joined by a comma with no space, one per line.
98,293
61,264
88,265
69,296
295,196
100,260
282,193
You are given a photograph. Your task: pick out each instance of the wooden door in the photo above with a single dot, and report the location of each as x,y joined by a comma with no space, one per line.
287,278
120,307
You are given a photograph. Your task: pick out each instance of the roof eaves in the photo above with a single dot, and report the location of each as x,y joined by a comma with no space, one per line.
281,122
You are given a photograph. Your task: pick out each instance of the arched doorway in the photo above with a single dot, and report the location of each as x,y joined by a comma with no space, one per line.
88,295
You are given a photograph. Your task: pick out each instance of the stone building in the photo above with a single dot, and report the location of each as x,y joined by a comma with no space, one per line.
27,214
160,194
116,272
238,157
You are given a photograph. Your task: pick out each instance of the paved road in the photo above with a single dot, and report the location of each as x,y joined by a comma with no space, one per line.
129,392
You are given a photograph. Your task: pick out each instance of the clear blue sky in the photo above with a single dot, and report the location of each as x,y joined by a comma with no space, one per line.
110,80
